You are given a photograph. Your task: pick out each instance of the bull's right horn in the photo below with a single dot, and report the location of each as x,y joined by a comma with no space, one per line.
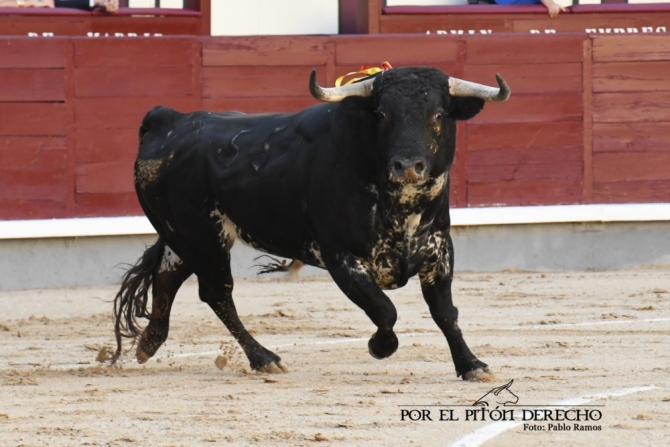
336,94
459,87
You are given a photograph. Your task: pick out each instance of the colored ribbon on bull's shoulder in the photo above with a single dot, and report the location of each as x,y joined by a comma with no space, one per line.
364,72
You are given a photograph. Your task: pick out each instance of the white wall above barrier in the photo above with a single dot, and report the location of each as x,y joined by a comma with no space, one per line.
509,215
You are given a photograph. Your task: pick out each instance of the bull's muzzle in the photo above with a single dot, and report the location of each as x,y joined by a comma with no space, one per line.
406,170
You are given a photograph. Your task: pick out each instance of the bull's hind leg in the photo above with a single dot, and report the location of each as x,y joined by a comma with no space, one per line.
436,277
166,282
205,243
217,291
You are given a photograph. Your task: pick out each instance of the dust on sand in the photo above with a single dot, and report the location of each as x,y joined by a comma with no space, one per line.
526,326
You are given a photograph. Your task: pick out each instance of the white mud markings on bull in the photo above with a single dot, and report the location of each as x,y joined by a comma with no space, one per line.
490,431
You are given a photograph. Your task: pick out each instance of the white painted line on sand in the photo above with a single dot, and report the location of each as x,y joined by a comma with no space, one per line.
65,367
68,366
586,323
490,431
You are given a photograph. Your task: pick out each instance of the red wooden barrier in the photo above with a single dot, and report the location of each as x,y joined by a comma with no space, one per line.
588,121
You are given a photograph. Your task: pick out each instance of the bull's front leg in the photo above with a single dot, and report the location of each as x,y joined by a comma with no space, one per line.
357,282
436,276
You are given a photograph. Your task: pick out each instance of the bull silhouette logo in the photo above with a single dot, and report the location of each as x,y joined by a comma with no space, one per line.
498,396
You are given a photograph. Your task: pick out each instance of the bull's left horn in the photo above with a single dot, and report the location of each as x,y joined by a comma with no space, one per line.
458,87
336,94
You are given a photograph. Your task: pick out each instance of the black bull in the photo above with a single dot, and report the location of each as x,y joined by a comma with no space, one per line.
358,185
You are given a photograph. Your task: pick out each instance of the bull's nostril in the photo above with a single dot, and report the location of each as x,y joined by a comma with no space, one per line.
398,166
419,167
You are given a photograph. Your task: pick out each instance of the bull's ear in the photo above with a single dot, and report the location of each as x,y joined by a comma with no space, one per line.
465,108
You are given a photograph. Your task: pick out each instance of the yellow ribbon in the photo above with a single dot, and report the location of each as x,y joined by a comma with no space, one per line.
366,72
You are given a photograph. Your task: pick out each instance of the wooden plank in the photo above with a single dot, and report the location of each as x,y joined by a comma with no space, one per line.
32,153
524,49
264,51
631,137
257,81
101,145
124,112
530,78
503,136
259,104
15,25
601,21
455,186
399,50
539,22
631,76
109,177
32,118
112,204
32,53
641,191
492,19
32,209
133,81
29,84
551,192
538,108
524,164
70,120
29,184
459,179
628,48
196,72
457,174
627,166
162,26
132,51
446,23
631,107
587,88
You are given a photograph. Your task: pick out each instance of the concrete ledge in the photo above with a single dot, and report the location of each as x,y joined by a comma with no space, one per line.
99,260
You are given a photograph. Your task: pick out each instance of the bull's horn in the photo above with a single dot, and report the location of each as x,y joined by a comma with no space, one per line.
336,94
458,87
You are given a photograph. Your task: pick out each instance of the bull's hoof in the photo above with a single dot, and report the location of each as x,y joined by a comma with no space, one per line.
273,368
383,344
148,345
142,357
479,375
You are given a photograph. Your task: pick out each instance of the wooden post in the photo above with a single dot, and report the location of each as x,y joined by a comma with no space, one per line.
205,8
71,204
587,79
369,16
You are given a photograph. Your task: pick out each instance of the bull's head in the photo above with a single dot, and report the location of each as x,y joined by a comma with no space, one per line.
413,112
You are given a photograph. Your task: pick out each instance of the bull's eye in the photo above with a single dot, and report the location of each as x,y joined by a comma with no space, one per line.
380,114
437,117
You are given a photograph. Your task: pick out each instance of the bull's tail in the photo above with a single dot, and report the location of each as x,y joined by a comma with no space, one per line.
131,301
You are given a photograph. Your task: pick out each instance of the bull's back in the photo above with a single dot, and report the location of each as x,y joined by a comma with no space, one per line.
253,168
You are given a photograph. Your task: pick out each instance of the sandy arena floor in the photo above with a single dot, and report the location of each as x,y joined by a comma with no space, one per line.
600,336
